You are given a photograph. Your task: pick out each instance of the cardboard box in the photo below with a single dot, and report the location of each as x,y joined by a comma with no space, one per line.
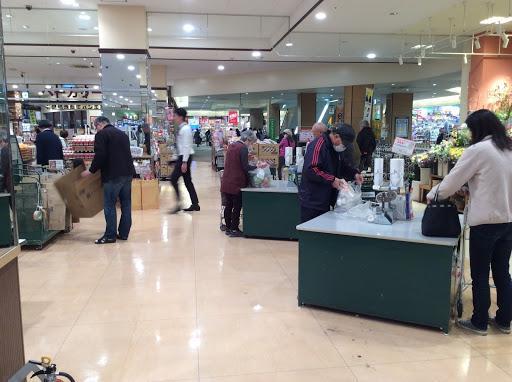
165,170
269,153
82,196
55,207
136,195
164,149
150,194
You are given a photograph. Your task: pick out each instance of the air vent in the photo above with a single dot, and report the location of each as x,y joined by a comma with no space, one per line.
81,66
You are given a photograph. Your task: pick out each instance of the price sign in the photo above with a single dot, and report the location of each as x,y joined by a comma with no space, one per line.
233,117
403,146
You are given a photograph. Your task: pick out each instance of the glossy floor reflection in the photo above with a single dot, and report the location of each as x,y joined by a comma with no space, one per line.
182,302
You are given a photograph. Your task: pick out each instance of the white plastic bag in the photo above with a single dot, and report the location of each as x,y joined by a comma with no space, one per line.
348,197
261,177
361,211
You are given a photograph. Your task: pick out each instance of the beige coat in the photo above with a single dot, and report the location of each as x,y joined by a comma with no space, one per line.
488,172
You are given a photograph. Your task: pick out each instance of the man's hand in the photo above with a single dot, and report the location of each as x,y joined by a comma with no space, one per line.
339,184
359,179
184,168
85,173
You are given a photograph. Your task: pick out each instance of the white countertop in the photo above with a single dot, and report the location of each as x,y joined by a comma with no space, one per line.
282,186
340,224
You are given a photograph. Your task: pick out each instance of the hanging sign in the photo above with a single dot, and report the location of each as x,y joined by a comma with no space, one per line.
74,106
403,146
368,101
233,117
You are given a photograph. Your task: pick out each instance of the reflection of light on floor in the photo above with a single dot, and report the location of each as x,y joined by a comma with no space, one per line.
103,360
158,338
195,339
257,307
464,366
94,378
165,231
158,284
139,266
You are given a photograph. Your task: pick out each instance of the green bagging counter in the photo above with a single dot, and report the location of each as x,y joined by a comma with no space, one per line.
271,212
386,271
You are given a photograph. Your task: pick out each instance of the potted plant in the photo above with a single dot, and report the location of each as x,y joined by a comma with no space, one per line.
424,162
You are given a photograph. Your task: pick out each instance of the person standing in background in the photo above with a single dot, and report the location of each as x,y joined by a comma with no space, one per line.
348,135
236,177
197,137
286,141
367,145
48,145
182,167
146,130
113,157
64,138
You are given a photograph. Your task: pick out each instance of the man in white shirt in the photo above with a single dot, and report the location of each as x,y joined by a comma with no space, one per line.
182,168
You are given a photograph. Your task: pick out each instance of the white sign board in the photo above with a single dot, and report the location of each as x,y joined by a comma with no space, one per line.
403,146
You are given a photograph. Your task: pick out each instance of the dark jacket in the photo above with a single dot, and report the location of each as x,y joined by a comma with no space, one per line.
112,154
48,147
348,136
366,141
236,169
321,163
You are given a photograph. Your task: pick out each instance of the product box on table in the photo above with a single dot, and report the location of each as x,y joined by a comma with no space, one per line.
269,153
83,196
150,194
136,195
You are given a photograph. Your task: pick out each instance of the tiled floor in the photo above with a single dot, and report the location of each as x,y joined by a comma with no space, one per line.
182,302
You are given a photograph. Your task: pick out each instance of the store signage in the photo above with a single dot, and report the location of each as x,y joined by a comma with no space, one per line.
24,95
74,106
403,146
368,101
233,117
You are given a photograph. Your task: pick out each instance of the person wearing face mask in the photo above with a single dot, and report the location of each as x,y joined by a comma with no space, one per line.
348,135
323,174
236,177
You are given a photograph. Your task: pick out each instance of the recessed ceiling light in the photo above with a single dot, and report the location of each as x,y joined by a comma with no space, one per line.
150,29
121,97
153,91
220,67
120,56
48,86
371,56
131,101
246,93
434,84
188,28
496,20
256,53
320,16
392,84
25,26
84,16
61,91
114,94
99,74
95,87
58,63
289,44
138,76
9,16
434,93
131,68
40,93
15,86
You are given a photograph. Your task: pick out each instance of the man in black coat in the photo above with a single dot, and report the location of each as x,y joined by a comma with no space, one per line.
367,145
112,155
48,144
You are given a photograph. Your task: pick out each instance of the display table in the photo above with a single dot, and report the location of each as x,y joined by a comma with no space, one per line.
388,271
271,212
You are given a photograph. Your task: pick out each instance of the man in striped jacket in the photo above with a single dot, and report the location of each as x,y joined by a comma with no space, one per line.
319,182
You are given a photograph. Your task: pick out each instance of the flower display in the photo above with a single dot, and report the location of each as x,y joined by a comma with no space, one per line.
423,160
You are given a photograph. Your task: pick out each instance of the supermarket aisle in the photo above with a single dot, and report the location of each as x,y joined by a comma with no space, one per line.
182,302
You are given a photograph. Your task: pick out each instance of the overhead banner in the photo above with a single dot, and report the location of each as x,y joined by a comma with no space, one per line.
368,101
74,106
233,117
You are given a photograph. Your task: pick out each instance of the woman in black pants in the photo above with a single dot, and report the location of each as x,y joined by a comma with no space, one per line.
486,166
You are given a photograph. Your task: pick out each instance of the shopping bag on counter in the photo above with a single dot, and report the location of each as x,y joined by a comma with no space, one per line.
348,197
441,219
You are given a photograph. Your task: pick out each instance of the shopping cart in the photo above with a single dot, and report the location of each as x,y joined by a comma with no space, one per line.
44,371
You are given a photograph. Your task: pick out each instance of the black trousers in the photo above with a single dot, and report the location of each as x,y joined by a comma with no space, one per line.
365,162
232,210
187,178
280,166
307,214
490,246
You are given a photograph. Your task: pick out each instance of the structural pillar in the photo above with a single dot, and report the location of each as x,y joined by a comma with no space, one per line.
306,106
399,116
274,120
256,119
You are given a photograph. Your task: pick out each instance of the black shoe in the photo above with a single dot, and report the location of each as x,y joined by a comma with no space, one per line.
236,233
227,232
119,237
468,326
104,240
193,208
501,328
175,211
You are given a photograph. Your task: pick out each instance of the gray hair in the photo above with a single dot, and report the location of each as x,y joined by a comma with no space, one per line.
248,135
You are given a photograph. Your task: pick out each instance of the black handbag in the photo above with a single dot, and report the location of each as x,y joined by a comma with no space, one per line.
441,219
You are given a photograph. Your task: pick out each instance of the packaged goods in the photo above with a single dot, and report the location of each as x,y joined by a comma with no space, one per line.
261,177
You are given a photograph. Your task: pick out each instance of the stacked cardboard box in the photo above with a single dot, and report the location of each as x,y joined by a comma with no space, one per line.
150,194
165,159
269,153
136,195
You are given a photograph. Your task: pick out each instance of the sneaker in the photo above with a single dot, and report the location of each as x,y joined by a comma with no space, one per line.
468,326
501,328
193,208
104,240
236,233
227,232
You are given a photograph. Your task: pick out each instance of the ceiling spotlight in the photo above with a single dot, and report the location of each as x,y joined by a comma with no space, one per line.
477,43
138,76
96,87
25,26
84,16
454,42
40,93
400,60
505,39
188,28
120,56
131,68
320,16
99,74
48,86
419,61
220,67
150,29
114,94
256,53
289,44
15,86
371,56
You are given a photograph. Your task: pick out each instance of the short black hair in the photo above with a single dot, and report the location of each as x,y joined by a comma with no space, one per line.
483,123
181,112
64,134
102,119
44,124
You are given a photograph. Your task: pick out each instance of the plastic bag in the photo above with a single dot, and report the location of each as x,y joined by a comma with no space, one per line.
261,177
361,211
348,197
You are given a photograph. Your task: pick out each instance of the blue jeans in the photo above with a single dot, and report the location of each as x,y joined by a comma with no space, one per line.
121,188
489,247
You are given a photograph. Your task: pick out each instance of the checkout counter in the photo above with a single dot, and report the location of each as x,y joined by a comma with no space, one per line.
388,271
271,212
